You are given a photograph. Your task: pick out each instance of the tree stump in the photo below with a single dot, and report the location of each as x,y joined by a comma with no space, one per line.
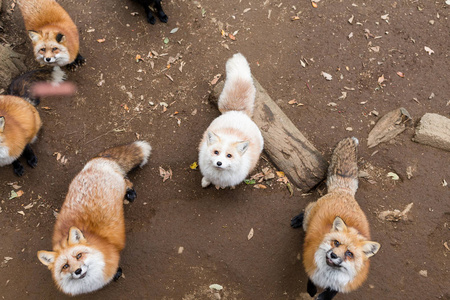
11,65
285,145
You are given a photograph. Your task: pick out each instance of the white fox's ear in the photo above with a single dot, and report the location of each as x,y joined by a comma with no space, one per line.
75,236
339,224
371,248
34,36
242,147
212,138
46,257
2,124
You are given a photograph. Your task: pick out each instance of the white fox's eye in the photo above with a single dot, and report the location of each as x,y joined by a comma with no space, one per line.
65,266
229,155
216,152
79,255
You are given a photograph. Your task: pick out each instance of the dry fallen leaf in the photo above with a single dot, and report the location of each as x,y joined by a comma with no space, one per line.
293,101
232,37
388,127
215,79
429,51
101,40
194,165
395,215
165,174
381,79
401,74
250,234
260,186
314,4
326,75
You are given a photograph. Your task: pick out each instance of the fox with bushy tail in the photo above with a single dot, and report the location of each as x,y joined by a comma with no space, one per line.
89,233
337,243
52,32
231,146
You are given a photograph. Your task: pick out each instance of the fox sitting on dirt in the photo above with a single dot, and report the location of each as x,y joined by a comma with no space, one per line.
159,11
232,144
337,242
53,34
23,84
19,125
89,232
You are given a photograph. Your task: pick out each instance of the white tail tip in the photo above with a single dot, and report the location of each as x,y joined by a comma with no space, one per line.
146,150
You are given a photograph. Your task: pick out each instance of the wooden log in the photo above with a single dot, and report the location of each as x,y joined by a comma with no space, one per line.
285,145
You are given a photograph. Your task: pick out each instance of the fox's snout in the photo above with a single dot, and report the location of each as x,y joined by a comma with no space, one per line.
333,260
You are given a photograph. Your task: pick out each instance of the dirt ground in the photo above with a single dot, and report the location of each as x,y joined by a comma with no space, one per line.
120,100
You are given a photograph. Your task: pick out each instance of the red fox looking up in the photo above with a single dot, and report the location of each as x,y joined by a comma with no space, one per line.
90,229
337,242
53,34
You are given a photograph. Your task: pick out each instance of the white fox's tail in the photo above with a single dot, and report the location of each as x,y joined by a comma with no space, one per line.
239,91
343,170
128,156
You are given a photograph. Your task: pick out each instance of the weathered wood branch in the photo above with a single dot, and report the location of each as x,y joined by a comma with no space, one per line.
286,146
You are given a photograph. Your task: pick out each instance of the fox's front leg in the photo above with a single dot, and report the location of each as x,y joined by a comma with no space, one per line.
130,194
118,274
311,288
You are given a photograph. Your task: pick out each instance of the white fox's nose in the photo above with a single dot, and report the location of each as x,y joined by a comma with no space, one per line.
219,163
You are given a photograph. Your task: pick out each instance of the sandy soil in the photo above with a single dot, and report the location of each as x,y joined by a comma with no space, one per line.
212,226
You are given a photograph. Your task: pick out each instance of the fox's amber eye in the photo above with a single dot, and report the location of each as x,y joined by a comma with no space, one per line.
229,155
336,243
79,255
348,254
65,266
216,152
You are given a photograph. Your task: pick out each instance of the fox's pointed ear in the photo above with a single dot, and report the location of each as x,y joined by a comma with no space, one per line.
242,147
371,248
75,236
2,124
212,138
46,257
60,38
34,36
339,224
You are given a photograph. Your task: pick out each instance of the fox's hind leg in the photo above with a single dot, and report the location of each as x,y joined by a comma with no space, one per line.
328,294
130,194
311,288
18,168
29,155
297,221
79,61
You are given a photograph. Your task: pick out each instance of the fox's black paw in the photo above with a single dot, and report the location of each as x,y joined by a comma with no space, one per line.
130,195
118,274
297,221
328,294
32,161
18,168
151,19
163,17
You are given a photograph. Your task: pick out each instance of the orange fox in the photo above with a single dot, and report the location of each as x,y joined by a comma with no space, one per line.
53,34
90,229
337,242
19,125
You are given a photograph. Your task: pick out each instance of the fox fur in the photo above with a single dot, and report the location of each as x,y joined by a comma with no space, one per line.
19,125
337,242
89,233
21,86
52,32
231,146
